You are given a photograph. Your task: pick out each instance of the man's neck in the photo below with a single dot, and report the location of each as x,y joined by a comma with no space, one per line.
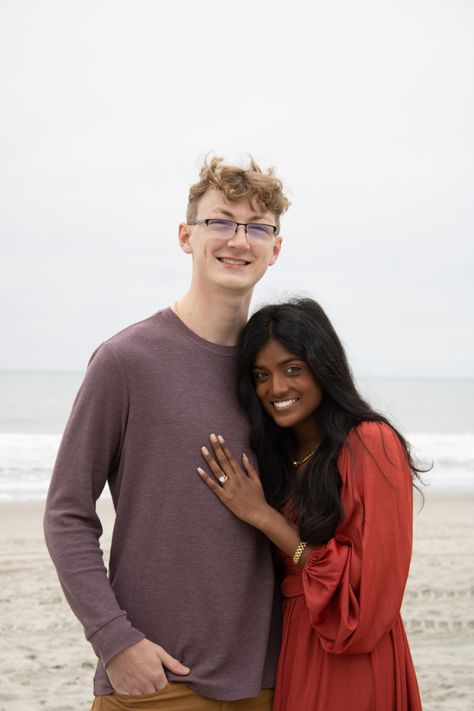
217,318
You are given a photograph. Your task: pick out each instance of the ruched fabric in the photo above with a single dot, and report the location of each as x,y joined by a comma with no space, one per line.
344,644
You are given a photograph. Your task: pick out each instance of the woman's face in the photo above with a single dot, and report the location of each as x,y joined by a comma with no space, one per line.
286,387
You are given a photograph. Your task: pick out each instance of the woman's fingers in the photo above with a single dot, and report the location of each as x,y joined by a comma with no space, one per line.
224,463
213,465
251,471
213,485
237,487
227,453
223,455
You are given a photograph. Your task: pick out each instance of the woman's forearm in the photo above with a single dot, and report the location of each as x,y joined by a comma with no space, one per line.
285,536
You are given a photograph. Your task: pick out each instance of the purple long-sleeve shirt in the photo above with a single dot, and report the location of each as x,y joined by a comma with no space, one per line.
184,572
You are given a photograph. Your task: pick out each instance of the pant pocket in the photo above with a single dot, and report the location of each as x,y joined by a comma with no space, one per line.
123,702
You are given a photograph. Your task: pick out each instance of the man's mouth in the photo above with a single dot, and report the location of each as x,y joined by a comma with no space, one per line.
282,404
233,262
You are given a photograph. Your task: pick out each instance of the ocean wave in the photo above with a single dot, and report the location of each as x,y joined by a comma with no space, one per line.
27,460
451,457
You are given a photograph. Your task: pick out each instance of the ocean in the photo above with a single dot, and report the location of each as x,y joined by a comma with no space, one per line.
436,415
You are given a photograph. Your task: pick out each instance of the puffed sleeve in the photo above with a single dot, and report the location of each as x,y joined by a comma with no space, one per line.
354,585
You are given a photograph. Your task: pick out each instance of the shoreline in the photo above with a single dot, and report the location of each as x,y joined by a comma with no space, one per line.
30,509
45,662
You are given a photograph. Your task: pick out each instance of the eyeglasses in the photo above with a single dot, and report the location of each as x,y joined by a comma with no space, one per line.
254,231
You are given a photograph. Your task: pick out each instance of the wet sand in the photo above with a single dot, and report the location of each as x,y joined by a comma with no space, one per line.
45,662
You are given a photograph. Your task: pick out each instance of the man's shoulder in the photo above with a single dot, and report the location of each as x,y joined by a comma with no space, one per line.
132,344
149,329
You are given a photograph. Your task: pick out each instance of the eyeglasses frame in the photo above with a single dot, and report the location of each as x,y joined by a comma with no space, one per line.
234,222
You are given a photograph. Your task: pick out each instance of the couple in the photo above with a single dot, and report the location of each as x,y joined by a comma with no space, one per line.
189,616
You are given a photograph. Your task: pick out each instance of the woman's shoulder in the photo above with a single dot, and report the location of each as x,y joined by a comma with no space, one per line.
371,431
375,440
373,459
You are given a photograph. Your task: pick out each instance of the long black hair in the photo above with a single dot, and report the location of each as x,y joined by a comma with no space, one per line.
302,327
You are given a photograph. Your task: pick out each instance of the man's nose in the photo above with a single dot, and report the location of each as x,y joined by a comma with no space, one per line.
239,238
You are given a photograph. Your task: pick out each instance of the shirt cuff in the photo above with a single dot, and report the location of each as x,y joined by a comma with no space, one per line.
113,637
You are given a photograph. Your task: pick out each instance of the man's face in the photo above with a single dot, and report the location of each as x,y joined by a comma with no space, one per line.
229,263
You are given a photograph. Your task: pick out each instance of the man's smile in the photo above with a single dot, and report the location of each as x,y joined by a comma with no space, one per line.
234,262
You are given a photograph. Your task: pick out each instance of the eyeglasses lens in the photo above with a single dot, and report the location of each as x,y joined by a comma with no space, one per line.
227,228
259,232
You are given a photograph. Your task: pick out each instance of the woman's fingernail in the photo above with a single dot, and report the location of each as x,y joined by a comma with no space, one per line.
204,450
200,471
221,439
213,438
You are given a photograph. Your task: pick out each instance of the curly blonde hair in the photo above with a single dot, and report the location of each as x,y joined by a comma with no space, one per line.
236,183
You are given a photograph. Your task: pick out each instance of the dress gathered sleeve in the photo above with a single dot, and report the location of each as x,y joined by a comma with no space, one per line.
353,585
88,456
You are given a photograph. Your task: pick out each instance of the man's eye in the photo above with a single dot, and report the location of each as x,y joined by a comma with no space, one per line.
219,223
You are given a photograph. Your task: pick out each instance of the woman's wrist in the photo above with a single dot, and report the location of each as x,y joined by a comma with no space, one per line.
264,518
285,536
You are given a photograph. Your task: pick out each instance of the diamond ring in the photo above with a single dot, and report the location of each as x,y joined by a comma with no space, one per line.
223,478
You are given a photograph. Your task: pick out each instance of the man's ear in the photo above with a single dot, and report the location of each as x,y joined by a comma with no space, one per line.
276,250
184,233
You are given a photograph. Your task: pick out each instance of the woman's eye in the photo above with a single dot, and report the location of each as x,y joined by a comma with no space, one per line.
293,369
259,375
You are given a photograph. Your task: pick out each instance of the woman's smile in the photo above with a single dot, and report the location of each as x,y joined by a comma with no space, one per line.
284,404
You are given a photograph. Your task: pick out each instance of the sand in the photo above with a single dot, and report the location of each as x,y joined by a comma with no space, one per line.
45,663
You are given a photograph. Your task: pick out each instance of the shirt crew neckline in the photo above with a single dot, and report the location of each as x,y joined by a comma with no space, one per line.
174,320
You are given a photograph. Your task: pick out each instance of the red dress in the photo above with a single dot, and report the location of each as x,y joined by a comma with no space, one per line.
344,647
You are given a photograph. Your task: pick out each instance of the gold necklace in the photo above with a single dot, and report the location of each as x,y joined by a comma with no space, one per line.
298,462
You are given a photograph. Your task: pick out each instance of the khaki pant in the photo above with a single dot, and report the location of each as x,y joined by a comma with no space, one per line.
179,697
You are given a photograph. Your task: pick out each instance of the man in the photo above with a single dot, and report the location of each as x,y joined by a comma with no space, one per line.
186,617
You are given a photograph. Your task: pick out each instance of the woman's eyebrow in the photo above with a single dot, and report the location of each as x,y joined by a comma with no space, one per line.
256,366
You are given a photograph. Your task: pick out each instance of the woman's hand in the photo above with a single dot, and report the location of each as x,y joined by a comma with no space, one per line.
242,492
238,489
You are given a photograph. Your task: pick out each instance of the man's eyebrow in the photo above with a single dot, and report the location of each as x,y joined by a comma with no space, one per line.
228,213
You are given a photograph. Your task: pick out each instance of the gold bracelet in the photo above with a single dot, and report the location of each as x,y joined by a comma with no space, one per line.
299,552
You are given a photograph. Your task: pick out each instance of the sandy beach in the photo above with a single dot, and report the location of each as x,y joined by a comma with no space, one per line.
45,663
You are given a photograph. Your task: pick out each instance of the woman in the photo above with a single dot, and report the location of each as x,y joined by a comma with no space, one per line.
335,497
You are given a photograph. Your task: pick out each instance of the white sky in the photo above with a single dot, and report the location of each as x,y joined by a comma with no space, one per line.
366,109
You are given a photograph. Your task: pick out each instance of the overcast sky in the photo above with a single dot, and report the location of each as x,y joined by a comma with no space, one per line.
366,109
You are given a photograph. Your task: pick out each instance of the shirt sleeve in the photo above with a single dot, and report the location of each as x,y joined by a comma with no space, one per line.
88,455
354,585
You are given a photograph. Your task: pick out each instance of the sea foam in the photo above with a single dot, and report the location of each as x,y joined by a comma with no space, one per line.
27,460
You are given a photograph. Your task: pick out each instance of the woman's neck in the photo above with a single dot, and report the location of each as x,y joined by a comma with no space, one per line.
307,438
